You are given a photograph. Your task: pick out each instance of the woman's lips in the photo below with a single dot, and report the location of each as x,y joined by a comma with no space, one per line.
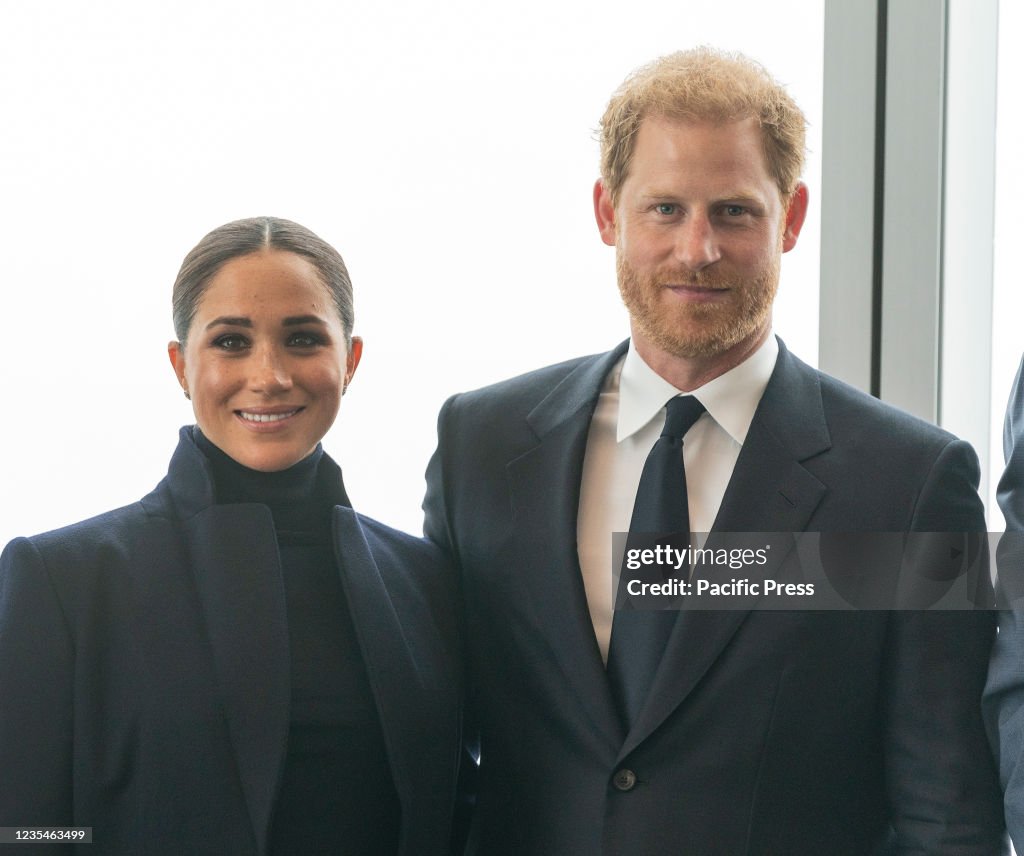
267,417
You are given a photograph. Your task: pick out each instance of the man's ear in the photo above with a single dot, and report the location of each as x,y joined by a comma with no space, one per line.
796,212
604,213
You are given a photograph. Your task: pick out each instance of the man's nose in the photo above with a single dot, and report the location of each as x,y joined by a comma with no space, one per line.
696,242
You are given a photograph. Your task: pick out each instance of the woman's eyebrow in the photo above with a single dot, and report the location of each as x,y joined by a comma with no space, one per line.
242,321
231,321
294,320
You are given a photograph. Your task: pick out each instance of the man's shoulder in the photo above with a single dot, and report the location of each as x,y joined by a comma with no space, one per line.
542,379
520,394
860,412
849,410
887,470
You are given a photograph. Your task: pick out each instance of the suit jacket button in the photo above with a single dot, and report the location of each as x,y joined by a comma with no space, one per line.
624,780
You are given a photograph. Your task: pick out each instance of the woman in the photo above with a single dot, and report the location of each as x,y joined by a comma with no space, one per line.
238,663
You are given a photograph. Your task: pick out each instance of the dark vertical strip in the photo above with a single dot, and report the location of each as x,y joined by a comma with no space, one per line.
879,230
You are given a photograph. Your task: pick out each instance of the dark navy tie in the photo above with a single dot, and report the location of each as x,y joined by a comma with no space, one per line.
639,636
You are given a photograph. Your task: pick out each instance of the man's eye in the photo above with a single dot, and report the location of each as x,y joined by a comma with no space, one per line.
231,342
735,210
666,208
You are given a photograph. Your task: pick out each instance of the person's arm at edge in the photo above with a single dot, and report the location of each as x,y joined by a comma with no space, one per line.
1003,703
943,788
36,696
437,528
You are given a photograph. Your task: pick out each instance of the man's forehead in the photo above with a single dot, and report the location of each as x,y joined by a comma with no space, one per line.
668,120
718,147
729,153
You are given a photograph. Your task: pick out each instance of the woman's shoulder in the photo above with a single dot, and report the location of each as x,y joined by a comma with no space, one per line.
101,545
76,566
104,529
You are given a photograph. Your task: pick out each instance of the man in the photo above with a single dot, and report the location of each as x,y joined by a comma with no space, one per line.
1004,693
755,732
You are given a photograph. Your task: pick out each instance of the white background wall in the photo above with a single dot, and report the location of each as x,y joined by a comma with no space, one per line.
446,149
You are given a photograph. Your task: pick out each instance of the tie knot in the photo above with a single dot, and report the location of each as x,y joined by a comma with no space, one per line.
680,414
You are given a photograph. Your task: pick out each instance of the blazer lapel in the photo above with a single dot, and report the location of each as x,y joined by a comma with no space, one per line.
770,492
394,673
545,490
233,554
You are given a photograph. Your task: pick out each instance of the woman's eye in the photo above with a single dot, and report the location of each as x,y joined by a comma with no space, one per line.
666,208
231,342
304,340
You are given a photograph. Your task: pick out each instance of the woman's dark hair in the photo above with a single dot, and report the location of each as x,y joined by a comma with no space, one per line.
243,237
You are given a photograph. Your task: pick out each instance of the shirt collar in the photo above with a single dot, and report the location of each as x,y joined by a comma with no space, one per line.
730,399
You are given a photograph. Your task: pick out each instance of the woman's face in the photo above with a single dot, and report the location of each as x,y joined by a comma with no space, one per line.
265,363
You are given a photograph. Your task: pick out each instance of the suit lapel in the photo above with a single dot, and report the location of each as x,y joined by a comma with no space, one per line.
233,554
390,664
770,492
545,490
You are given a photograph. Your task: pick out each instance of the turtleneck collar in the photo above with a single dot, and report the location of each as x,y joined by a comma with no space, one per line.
189,484
235,482
300,498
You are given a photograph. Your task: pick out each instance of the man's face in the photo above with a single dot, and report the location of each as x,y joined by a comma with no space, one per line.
699,230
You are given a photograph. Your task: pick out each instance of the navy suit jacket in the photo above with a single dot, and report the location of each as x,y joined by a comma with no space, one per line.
1004,694
764,732
144,671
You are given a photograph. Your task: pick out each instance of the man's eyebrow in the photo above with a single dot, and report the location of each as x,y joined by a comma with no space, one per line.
230,321
740,197
746,198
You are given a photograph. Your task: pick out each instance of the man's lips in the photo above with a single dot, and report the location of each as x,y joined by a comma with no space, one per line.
697,292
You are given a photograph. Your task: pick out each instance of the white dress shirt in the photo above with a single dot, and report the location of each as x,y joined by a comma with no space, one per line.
627,422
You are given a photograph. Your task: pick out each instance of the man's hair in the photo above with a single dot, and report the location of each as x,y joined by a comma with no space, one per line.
706,85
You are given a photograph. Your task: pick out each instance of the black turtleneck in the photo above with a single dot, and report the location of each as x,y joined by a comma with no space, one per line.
337,795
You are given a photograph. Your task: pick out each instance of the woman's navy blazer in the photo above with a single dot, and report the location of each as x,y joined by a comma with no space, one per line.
144,671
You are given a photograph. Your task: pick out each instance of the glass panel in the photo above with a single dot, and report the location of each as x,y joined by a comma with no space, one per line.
1008,296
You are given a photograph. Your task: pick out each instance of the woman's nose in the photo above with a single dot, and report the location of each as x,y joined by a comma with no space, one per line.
270,373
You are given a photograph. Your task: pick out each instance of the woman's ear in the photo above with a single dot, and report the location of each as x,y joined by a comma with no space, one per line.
176,354
355,354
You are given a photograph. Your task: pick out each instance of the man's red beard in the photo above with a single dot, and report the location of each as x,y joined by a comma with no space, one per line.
695,329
